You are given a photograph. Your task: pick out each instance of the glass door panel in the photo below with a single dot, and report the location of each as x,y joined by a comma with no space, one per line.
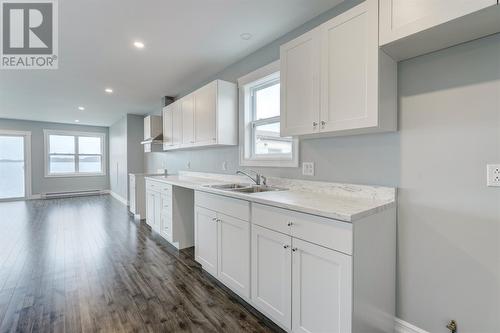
12,167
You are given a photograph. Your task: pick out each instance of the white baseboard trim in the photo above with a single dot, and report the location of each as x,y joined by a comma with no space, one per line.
118,197
401,326
35,197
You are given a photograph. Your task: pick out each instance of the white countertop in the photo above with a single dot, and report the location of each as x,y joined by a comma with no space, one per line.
344,202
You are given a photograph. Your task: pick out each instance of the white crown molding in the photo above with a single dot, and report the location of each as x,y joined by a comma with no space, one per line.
401,326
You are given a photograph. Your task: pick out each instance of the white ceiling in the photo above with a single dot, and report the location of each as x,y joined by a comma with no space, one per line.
187,41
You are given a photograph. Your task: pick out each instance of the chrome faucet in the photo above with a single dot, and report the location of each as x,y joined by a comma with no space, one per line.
259,179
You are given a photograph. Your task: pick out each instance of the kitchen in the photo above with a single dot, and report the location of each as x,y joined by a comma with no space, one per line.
335,179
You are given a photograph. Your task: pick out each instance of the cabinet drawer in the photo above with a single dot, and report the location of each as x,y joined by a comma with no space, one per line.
326,232
225,205
271,217
159,187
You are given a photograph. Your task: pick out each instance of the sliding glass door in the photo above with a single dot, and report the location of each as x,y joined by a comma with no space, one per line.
14,165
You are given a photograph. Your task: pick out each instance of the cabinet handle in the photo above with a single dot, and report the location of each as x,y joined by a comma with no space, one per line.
289,224
315,124
286,246
294,249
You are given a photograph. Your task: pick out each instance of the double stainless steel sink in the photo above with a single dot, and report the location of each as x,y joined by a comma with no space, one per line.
245,188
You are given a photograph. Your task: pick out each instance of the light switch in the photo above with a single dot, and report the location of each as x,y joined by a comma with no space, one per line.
308,168
493,175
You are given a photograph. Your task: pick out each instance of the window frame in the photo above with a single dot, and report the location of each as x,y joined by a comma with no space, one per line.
76,154
260,79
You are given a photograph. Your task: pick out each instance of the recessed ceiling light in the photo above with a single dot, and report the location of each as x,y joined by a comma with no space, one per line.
108,90
77,121
246,36
81,108
138,44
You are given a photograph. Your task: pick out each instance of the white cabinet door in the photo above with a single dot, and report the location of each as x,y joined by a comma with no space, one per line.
205,238
132,195
150,208
187,108
234,254
272,275
167,126
321,290
349,69
205,114
176,124
166,217
299,76
157,212
402,18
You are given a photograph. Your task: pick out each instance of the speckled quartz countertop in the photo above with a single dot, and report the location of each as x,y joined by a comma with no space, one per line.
344,202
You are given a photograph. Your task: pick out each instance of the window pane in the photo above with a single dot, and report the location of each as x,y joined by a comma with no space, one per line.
267,102
62,164
62,144
89,145
11,167
89,164
268,140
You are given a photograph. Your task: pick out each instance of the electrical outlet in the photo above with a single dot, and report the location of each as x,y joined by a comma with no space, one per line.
308,168
493,172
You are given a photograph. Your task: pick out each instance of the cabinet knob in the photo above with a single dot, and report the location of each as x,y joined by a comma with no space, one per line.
286,246
289,224
315,124
323,123
214,219
294,249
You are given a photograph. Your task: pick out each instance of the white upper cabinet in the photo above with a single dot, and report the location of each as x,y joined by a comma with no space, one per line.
172,126
336,81
205,114
206,117
176,125
299,62
168,112
187,109
350,66
413,27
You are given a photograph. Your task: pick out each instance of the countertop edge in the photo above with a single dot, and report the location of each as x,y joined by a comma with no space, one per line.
302,209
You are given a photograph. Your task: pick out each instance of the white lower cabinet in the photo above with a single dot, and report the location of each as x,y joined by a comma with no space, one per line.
321,289
308,274
234,254
272,275
169,212
222,247
205,239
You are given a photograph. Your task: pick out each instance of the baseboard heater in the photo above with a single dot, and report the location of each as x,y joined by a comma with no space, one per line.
54,195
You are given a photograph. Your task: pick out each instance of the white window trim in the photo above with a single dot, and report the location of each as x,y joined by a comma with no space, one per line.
46,134
246,120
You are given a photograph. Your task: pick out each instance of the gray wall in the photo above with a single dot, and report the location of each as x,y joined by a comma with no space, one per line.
41,184
449,239
449,221
126,152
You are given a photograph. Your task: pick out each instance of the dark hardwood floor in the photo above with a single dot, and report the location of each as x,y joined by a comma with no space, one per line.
84,265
